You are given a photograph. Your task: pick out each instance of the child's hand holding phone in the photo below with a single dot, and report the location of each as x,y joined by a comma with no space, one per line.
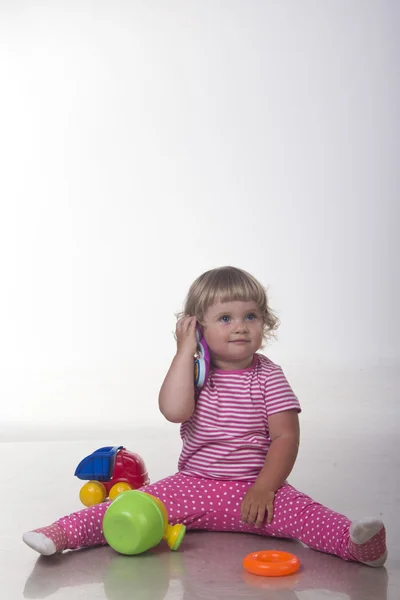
190,340
186,335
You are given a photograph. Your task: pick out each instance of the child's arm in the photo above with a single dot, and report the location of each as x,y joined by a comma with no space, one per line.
285,433
176,398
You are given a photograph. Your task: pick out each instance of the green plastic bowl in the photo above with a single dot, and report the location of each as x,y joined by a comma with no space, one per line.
133,523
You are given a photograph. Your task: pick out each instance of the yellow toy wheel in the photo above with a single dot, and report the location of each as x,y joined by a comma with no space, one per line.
93,492
118,488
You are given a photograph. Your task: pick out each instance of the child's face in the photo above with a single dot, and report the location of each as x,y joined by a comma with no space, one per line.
233,332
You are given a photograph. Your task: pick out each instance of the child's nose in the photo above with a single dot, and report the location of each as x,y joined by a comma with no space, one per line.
241,326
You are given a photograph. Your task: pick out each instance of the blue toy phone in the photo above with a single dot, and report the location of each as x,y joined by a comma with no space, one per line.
202,362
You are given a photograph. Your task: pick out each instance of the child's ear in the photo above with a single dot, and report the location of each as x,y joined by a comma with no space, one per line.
200,328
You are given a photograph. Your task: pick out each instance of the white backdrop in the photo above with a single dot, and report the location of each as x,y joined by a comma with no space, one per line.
142,143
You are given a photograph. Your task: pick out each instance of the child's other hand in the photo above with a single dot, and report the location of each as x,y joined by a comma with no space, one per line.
257,501
186,335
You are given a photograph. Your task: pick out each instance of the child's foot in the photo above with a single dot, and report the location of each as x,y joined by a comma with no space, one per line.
46,540
367,543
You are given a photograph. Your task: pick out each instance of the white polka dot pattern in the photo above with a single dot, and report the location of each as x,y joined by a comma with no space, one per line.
214,505
372,550
56,534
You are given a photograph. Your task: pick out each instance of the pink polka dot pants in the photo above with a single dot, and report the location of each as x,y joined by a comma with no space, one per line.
84,528
214,505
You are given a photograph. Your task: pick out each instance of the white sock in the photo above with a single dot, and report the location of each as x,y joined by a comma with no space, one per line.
362,532
39,542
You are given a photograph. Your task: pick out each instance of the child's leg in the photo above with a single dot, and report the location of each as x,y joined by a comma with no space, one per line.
82,528
300,517
184,497
297,516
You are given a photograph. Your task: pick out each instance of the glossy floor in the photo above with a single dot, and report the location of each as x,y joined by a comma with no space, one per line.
358,476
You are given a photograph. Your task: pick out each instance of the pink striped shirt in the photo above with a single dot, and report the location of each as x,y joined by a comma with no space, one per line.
227,436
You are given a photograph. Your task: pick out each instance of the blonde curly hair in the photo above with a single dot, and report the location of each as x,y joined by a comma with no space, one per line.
228,284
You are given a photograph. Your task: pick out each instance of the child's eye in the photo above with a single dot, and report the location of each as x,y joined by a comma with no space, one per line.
251,317
225,318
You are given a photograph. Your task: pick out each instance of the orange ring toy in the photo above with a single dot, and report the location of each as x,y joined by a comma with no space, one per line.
271,563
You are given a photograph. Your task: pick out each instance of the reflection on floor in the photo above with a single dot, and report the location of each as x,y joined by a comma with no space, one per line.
208,567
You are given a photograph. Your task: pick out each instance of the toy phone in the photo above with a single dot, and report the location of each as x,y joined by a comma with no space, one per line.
202,362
